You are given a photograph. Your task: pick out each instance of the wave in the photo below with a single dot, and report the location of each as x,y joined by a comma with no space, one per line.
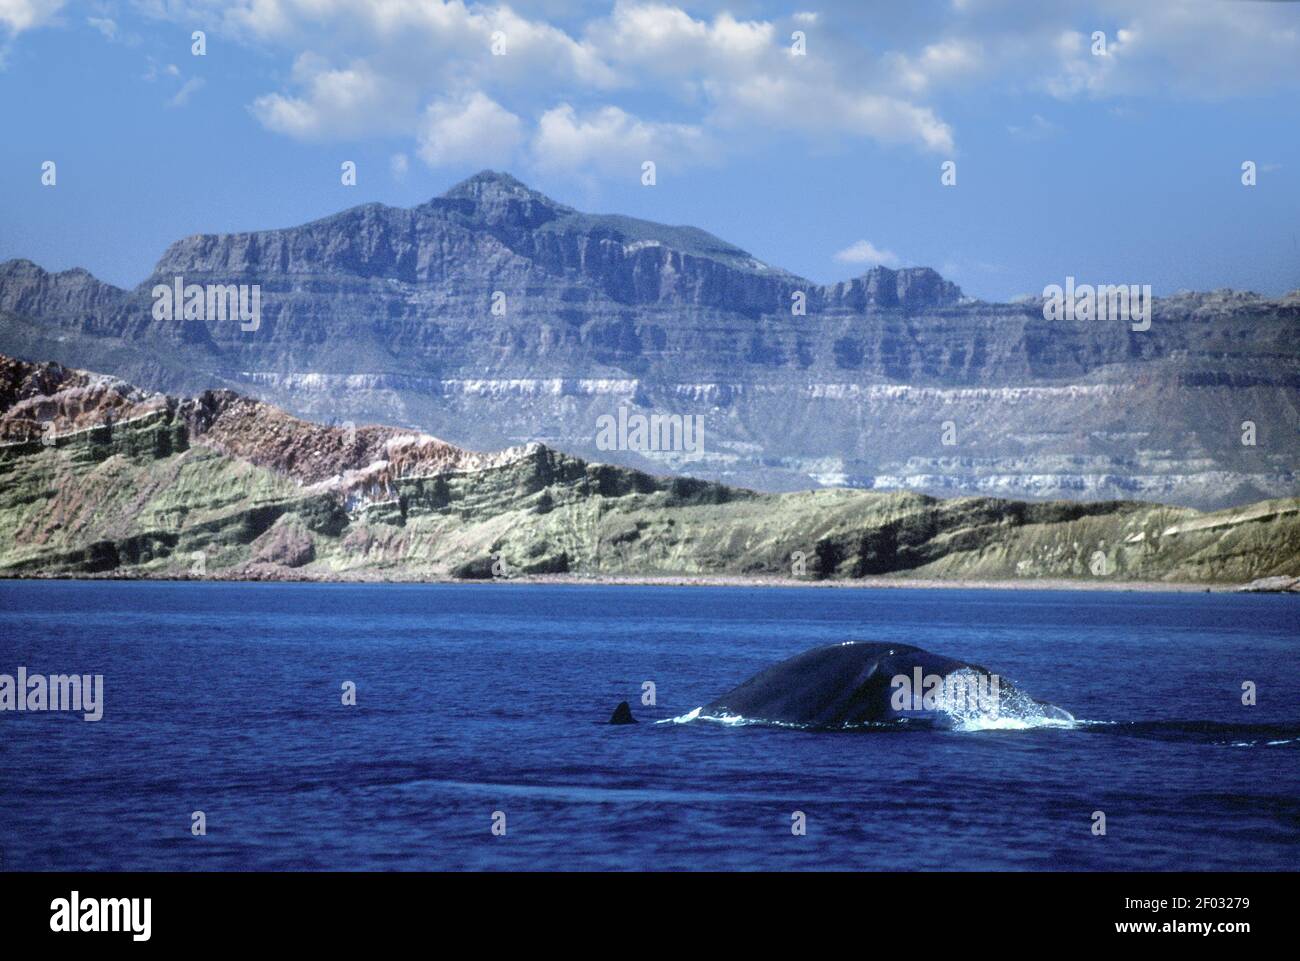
1224,733
1031,716
920,720
737,720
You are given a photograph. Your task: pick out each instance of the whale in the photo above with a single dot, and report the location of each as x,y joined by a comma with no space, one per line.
867,683
622,714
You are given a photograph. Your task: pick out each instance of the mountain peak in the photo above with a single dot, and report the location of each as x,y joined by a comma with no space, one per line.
499,199
494,185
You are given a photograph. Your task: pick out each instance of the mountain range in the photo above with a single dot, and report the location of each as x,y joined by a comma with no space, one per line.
495,317
101,478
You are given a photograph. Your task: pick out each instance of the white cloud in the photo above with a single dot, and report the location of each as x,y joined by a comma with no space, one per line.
868,254
937,63
665,39
743,74
105,25
399,164
1038,128
719,83
1081,71
473,129
536,50
363,60
417,37
337,103
155,71
187,90
615,142
814,107
20,15
1204,51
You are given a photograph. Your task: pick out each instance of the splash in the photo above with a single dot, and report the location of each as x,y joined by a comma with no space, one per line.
731,720
1007,708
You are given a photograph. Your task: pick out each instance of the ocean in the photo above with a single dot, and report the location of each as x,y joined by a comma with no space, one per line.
479,740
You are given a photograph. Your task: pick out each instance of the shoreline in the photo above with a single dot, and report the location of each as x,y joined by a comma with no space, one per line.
708,580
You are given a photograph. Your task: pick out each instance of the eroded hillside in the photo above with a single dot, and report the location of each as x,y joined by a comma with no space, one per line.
100,478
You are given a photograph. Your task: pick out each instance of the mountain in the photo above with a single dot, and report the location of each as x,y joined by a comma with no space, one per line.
891,380
98,477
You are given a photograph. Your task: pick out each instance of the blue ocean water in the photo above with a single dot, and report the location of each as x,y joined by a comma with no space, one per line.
475,699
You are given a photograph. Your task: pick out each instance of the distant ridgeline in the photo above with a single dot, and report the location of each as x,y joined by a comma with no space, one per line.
98,477
494,316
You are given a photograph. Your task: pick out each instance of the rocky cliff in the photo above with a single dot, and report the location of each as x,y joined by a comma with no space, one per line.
100,478
494,316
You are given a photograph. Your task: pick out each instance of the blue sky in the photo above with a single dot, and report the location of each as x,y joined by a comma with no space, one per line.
1122,168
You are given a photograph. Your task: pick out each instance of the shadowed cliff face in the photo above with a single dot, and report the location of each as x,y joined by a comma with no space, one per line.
385,314
99,477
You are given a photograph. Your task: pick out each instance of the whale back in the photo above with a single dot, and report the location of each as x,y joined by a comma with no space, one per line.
834,686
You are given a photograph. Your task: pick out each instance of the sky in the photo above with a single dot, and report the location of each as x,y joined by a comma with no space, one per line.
1112,160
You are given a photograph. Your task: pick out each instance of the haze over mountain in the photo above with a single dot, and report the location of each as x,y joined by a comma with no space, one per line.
386,314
